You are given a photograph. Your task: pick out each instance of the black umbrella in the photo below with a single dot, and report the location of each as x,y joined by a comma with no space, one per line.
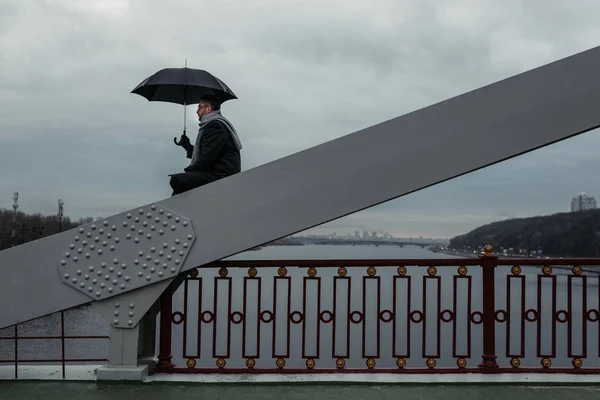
183,86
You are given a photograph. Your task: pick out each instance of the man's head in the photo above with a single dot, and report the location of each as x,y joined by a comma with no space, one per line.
208,104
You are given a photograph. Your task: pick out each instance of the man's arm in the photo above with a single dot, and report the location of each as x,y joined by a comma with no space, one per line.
214,138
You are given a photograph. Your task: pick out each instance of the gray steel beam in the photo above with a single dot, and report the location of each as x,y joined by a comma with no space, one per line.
326,182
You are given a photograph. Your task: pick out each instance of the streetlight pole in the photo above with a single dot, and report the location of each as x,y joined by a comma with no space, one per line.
14,221
60,214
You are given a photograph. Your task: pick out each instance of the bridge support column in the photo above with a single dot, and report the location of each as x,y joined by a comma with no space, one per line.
132,318
123,357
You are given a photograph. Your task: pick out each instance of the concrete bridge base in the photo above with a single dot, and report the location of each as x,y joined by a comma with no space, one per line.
107,373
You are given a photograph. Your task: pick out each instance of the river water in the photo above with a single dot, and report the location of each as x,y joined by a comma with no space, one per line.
391,293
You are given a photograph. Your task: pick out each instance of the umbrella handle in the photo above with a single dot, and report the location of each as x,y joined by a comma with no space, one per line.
175,139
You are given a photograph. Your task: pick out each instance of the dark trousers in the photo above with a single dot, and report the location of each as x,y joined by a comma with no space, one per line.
185,181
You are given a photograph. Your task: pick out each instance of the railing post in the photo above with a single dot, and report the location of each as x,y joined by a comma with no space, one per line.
165,357
488,293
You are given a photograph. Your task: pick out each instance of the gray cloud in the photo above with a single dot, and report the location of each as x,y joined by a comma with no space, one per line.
305,73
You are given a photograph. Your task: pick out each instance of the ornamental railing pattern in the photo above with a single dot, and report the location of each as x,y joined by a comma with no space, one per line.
404,316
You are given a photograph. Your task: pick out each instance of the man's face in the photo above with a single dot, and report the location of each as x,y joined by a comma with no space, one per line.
203,109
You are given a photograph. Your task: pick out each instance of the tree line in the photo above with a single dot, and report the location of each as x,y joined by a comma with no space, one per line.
35,226
32,226
572,234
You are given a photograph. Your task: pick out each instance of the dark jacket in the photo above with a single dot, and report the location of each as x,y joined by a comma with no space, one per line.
218,156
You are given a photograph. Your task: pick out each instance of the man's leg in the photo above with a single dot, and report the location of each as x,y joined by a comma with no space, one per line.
176,186
183,182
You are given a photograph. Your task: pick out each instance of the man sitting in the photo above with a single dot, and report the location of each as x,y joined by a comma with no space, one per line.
216,153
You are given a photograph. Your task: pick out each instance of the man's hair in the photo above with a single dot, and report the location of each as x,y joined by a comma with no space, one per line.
211,100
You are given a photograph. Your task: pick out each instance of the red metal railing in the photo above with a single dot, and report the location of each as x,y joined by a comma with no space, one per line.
485,315
13,342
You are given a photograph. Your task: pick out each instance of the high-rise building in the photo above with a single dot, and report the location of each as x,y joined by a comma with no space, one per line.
583,202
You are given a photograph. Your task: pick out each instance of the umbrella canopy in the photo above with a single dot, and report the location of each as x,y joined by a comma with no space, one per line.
183,86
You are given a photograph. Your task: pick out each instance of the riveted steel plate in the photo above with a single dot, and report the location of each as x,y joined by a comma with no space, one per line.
126,251
127,309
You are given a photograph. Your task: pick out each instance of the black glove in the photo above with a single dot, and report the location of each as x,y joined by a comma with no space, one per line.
184,142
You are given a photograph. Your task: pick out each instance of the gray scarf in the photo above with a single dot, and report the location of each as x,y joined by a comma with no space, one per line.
214,115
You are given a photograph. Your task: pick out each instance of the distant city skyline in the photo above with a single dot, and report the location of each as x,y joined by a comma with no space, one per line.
583,201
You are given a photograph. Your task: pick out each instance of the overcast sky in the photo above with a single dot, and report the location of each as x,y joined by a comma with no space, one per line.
305,72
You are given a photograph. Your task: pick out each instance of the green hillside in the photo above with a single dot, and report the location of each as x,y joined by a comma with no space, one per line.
574,234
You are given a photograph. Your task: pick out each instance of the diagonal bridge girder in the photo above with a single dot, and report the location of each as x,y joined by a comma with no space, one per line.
448,139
